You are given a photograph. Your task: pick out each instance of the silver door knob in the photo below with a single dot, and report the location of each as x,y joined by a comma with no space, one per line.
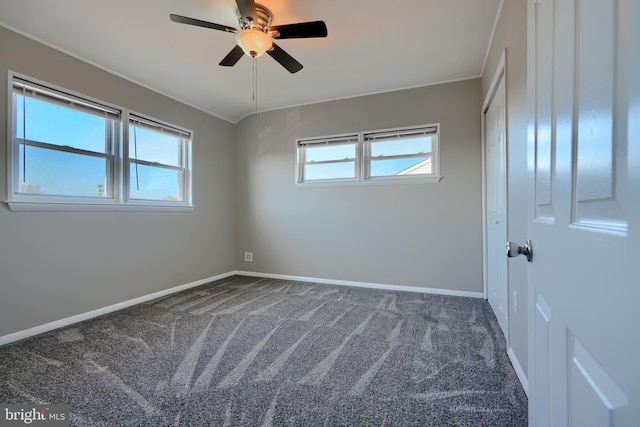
513,250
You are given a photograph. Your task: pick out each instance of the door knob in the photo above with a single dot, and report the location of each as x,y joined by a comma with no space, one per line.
513,250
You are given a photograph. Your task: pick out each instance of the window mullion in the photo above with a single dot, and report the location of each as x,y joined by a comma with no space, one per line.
324,162
400,156
365,155
302,161
181,175
124,159
108,148
63,148
13,173
113,141
157,165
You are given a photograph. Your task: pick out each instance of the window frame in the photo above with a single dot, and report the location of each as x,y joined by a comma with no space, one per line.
368,138
339,139
186,138
364,159
117,170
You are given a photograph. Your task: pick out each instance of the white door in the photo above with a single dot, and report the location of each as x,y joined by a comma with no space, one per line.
584,169
496,203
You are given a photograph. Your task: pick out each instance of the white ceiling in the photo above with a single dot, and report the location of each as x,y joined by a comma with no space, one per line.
372,46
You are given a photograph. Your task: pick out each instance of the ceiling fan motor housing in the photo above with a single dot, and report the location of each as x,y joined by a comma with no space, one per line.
263,21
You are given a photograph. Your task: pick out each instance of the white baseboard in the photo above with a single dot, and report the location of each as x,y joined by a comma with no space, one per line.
519,371
364,284
20,335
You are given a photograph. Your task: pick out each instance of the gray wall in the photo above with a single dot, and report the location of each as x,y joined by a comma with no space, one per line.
426,235
55,265
511,33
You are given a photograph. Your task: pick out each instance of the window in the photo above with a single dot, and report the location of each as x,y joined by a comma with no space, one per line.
66,153
64,145
400,153
395,155
330,158
158,161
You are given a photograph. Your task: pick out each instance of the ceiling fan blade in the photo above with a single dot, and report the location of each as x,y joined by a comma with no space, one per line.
232,57
198,23
285,59
247,9
300,30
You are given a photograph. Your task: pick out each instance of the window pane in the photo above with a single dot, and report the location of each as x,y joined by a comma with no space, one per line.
154,183
154,146
61,173
54,124
340,170
321,153
392,167
398,147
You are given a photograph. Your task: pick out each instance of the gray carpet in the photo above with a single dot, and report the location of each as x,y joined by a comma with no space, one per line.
245,351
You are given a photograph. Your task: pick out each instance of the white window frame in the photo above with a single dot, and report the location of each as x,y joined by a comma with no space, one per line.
397,134
363,158
118,168
341,139
185,160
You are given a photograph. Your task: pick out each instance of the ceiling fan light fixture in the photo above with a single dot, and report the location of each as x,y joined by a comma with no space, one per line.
254,42
255,34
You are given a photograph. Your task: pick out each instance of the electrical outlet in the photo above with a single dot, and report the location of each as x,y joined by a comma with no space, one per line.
248,256
515,301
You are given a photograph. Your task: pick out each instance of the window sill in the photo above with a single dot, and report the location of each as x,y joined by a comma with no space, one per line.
373,181
31,206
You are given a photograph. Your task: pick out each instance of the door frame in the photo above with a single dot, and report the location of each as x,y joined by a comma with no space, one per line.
499,75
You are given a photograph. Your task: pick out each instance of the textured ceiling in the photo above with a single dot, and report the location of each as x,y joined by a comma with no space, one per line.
372,46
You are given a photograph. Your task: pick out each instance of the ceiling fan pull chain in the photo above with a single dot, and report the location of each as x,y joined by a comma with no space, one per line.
255,85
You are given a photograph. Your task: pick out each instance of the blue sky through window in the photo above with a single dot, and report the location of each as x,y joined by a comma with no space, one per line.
53,171
56,172
61,173
58,125
153,146
393,167
395,147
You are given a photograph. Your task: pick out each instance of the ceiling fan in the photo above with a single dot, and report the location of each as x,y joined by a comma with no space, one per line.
256,34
